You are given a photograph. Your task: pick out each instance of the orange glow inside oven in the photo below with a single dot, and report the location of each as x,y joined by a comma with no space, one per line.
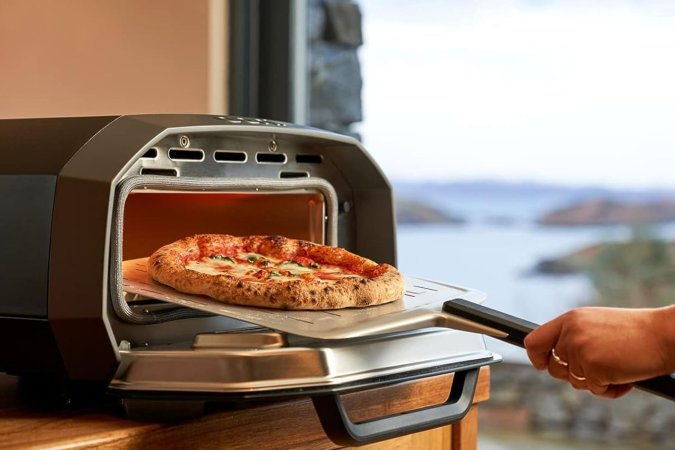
153,219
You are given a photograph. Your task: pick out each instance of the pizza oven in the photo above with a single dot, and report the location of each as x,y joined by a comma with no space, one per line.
80,196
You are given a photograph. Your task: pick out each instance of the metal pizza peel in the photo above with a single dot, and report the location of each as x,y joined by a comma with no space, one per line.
420,307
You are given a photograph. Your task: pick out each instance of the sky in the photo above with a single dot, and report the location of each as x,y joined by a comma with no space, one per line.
566,92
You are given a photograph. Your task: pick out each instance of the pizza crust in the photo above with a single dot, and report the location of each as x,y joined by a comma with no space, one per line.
372,283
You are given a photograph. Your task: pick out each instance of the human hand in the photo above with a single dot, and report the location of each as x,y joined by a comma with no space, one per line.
605,349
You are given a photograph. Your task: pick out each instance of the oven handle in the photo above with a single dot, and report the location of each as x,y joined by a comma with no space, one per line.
341,430
517,329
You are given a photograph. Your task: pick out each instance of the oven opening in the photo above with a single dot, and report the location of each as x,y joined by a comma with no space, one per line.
153,218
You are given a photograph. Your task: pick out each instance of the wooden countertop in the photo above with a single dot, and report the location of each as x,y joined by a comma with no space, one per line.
263,426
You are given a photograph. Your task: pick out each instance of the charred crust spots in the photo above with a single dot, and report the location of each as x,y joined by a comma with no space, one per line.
363,301
313,301
356,287
275,239
288,287
312,292
327,289
240,284
363,281
273,299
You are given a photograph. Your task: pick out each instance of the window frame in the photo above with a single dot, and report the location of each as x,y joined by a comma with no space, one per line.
267,73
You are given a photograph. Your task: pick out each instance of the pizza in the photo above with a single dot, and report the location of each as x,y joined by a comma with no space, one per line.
274,272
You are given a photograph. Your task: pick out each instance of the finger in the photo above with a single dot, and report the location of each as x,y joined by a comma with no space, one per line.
576,377
543,338
557,370
616,390
540,342
597,389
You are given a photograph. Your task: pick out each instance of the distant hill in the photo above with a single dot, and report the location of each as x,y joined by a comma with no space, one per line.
574,262
409,211
492,187
582,259
608,212
546,204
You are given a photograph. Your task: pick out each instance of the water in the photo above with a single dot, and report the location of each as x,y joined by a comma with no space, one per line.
498,259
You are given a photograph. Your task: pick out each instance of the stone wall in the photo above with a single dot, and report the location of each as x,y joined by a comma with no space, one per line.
335,34
550,407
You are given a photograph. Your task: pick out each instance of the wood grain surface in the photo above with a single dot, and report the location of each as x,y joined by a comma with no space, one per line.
281,425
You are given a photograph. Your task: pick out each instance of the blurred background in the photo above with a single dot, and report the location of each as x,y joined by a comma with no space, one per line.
530,143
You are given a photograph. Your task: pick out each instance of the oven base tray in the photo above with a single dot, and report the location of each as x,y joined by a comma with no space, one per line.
267,364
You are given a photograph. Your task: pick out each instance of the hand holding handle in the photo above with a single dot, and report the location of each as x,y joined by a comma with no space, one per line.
517,329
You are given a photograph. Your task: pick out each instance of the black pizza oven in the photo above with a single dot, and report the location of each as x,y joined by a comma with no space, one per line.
79,196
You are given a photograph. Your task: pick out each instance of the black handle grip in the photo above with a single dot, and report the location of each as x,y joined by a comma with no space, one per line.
341,430
516,330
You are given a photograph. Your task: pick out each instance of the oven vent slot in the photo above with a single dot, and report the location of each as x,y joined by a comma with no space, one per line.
150,154
290,174
230,157
162,172
270,158
309,159
181,154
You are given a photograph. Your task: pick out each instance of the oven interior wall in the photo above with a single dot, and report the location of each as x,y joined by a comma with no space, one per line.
153,219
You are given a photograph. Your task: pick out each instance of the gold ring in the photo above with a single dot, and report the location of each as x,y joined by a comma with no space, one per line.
557,359
577,377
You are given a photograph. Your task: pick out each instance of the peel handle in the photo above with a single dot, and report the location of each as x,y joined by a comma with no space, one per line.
517,329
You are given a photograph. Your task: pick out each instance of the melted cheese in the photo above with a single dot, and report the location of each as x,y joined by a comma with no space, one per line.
245,269
295,269
219,267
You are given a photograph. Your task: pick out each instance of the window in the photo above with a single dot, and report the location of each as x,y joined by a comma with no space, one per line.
524,140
